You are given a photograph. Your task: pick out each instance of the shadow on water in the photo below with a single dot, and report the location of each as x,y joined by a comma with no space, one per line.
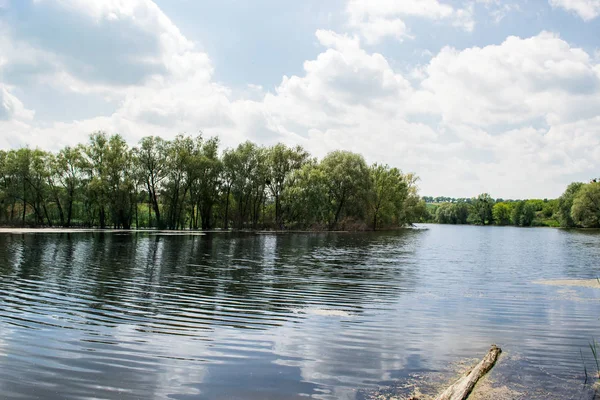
284,316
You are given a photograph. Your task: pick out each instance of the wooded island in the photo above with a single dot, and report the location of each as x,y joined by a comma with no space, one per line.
189,183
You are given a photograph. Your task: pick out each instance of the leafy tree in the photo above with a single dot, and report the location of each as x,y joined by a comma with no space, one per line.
308,196
282,162
502,213
565,204
390,190
246,168
523,213
348,182
446,214
151,159
185,183
462,210
452,213
206,188
482,209
586,206
68,173
179,153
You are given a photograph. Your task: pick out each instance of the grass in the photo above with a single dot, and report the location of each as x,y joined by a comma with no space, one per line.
584,367
594,347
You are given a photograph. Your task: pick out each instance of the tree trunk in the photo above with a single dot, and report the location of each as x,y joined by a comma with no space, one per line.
102,218
149,212
227,209
461,389
46,214
24,209
137,221
193,217
337,213
70,208
278,218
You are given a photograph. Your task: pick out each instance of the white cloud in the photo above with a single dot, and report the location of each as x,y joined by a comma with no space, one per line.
518,81
376,19
92,45
126,50
586,9
499,9
493,118
11,107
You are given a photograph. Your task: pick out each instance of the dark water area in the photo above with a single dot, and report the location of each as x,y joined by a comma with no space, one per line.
290,316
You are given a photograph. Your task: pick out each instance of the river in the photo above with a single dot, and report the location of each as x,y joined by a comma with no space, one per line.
289,316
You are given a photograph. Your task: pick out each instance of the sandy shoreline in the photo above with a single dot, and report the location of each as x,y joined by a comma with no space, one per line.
588,283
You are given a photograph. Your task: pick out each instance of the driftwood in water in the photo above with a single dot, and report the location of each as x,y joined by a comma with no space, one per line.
461,389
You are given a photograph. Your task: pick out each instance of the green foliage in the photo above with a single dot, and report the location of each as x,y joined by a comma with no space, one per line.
534,212
524,213
348,183
453,213
393,199
482,209
282,163
502,213
189,183
565,203
586,206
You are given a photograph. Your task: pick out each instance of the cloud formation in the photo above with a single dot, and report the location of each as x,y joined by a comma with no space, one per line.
380,18
586,9
518,118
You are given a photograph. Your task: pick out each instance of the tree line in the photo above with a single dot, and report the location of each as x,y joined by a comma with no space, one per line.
189,183
577,207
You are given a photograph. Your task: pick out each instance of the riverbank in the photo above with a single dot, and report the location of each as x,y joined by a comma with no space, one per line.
19,230
95,230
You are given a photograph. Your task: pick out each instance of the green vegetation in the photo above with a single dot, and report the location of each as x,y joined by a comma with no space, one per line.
578,207
188,183
594,347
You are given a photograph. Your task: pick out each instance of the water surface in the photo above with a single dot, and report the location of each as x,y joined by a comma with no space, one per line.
289,316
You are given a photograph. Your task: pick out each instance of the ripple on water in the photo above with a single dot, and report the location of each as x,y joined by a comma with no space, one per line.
331,316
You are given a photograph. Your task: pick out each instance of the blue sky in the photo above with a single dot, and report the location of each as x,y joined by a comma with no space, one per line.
472,95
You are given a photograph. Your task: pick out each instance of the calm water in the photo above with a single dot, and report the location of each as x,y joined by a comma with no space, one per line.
257,316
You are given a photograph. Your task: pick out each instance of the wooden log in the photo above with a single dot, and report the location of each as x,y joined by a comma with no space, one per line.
461,389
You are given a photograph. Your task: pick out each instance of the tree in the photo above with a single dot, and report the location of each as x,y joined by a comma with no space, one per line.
502,213
482,209
348,182
565,204
586,206
282,162
229,175
411,209
151,159
308,196
246,175
523,213
462,211
187,184
110,182
68,171
178,153
389,190
205,191
446,214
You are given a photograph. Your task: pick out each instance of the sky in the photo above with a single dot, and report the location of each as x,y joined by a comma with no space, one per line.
471,95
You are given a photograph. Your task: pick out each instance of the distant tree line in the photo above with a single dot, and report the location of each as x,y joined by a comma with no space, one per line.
577,207
189,183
